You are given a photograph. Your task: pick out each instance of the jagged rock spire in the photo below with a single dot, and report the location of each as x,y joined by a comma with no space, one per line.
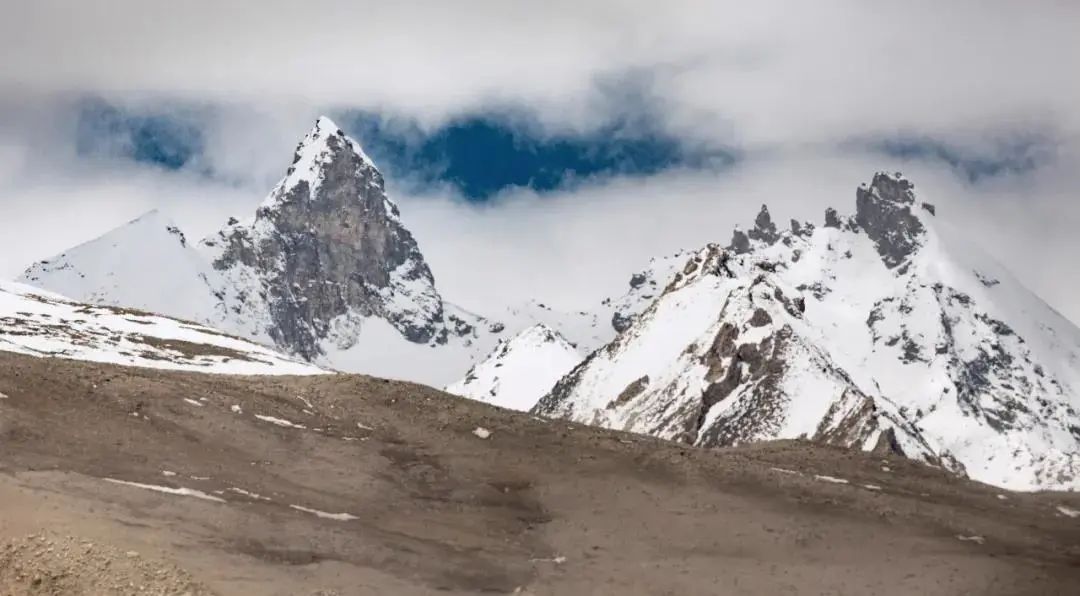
832,220
740,242
884,212
764,228
764,231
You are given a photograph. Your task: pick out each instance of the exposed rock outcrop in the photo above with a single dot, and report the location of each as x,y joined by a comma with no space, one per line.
884,212
327,243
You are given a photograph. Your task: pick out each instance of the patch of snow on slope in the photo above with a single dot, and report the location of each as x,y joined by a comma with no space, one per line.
520,371
279,422
1066,511
40,323
372,346
247,493
183,492
325,515
173,277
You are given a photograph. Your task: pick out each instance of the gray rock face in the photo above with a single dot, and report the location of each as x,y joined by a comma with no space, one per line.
884,212
621,322
764,232
832,220
327,243
740,242
764,229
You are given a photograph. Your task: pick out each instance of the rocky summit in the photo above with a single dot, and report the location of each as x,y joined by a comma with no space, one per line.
328,243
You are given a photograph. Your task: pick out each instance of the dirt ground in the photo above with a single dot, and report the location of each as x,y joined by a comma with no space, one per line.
353,485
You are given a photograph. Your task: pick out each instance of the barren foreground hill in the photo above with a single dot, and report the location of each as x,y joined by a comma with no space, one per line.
124,480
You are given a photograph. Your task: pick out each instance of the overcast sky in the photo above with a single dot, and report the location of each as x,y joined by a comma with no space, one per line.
977,101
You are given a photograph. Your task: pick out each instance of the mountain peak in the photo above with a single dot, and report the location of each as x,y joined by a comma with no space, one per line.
324,135
324,147
151,251
519,370
325,123
151,214
328,244
879,330
152,218
539,333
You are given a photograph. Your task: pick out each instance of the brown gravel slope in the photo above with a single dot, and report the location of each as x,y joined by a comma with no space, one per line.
381,487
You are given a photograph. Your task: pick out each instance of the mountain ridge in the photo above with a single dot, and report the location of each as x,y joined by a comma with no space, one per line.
924,343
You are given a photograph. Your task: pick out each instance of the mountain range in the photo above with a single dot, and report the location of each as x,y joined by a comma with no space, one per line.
881,330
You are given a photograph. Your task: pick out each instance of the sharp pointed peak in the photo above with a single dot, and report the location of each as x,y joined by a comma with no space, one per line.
320,132
326,124
322,145
764,219
319,141
325,128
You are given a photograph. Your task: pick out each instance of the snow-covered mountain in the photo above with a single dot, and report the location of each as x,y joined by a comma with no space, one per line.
519,371
176,279
882,330
44,324
324,270
327,249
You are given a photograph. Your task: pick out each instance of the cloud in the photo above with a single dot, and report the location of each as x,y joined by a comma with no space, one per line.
768,71
972,98
1016,154
571,249
574,246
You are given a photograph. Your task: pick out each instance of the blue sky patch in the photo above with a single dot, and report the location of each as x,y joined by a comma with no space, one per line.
484,155
166,140
479,155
